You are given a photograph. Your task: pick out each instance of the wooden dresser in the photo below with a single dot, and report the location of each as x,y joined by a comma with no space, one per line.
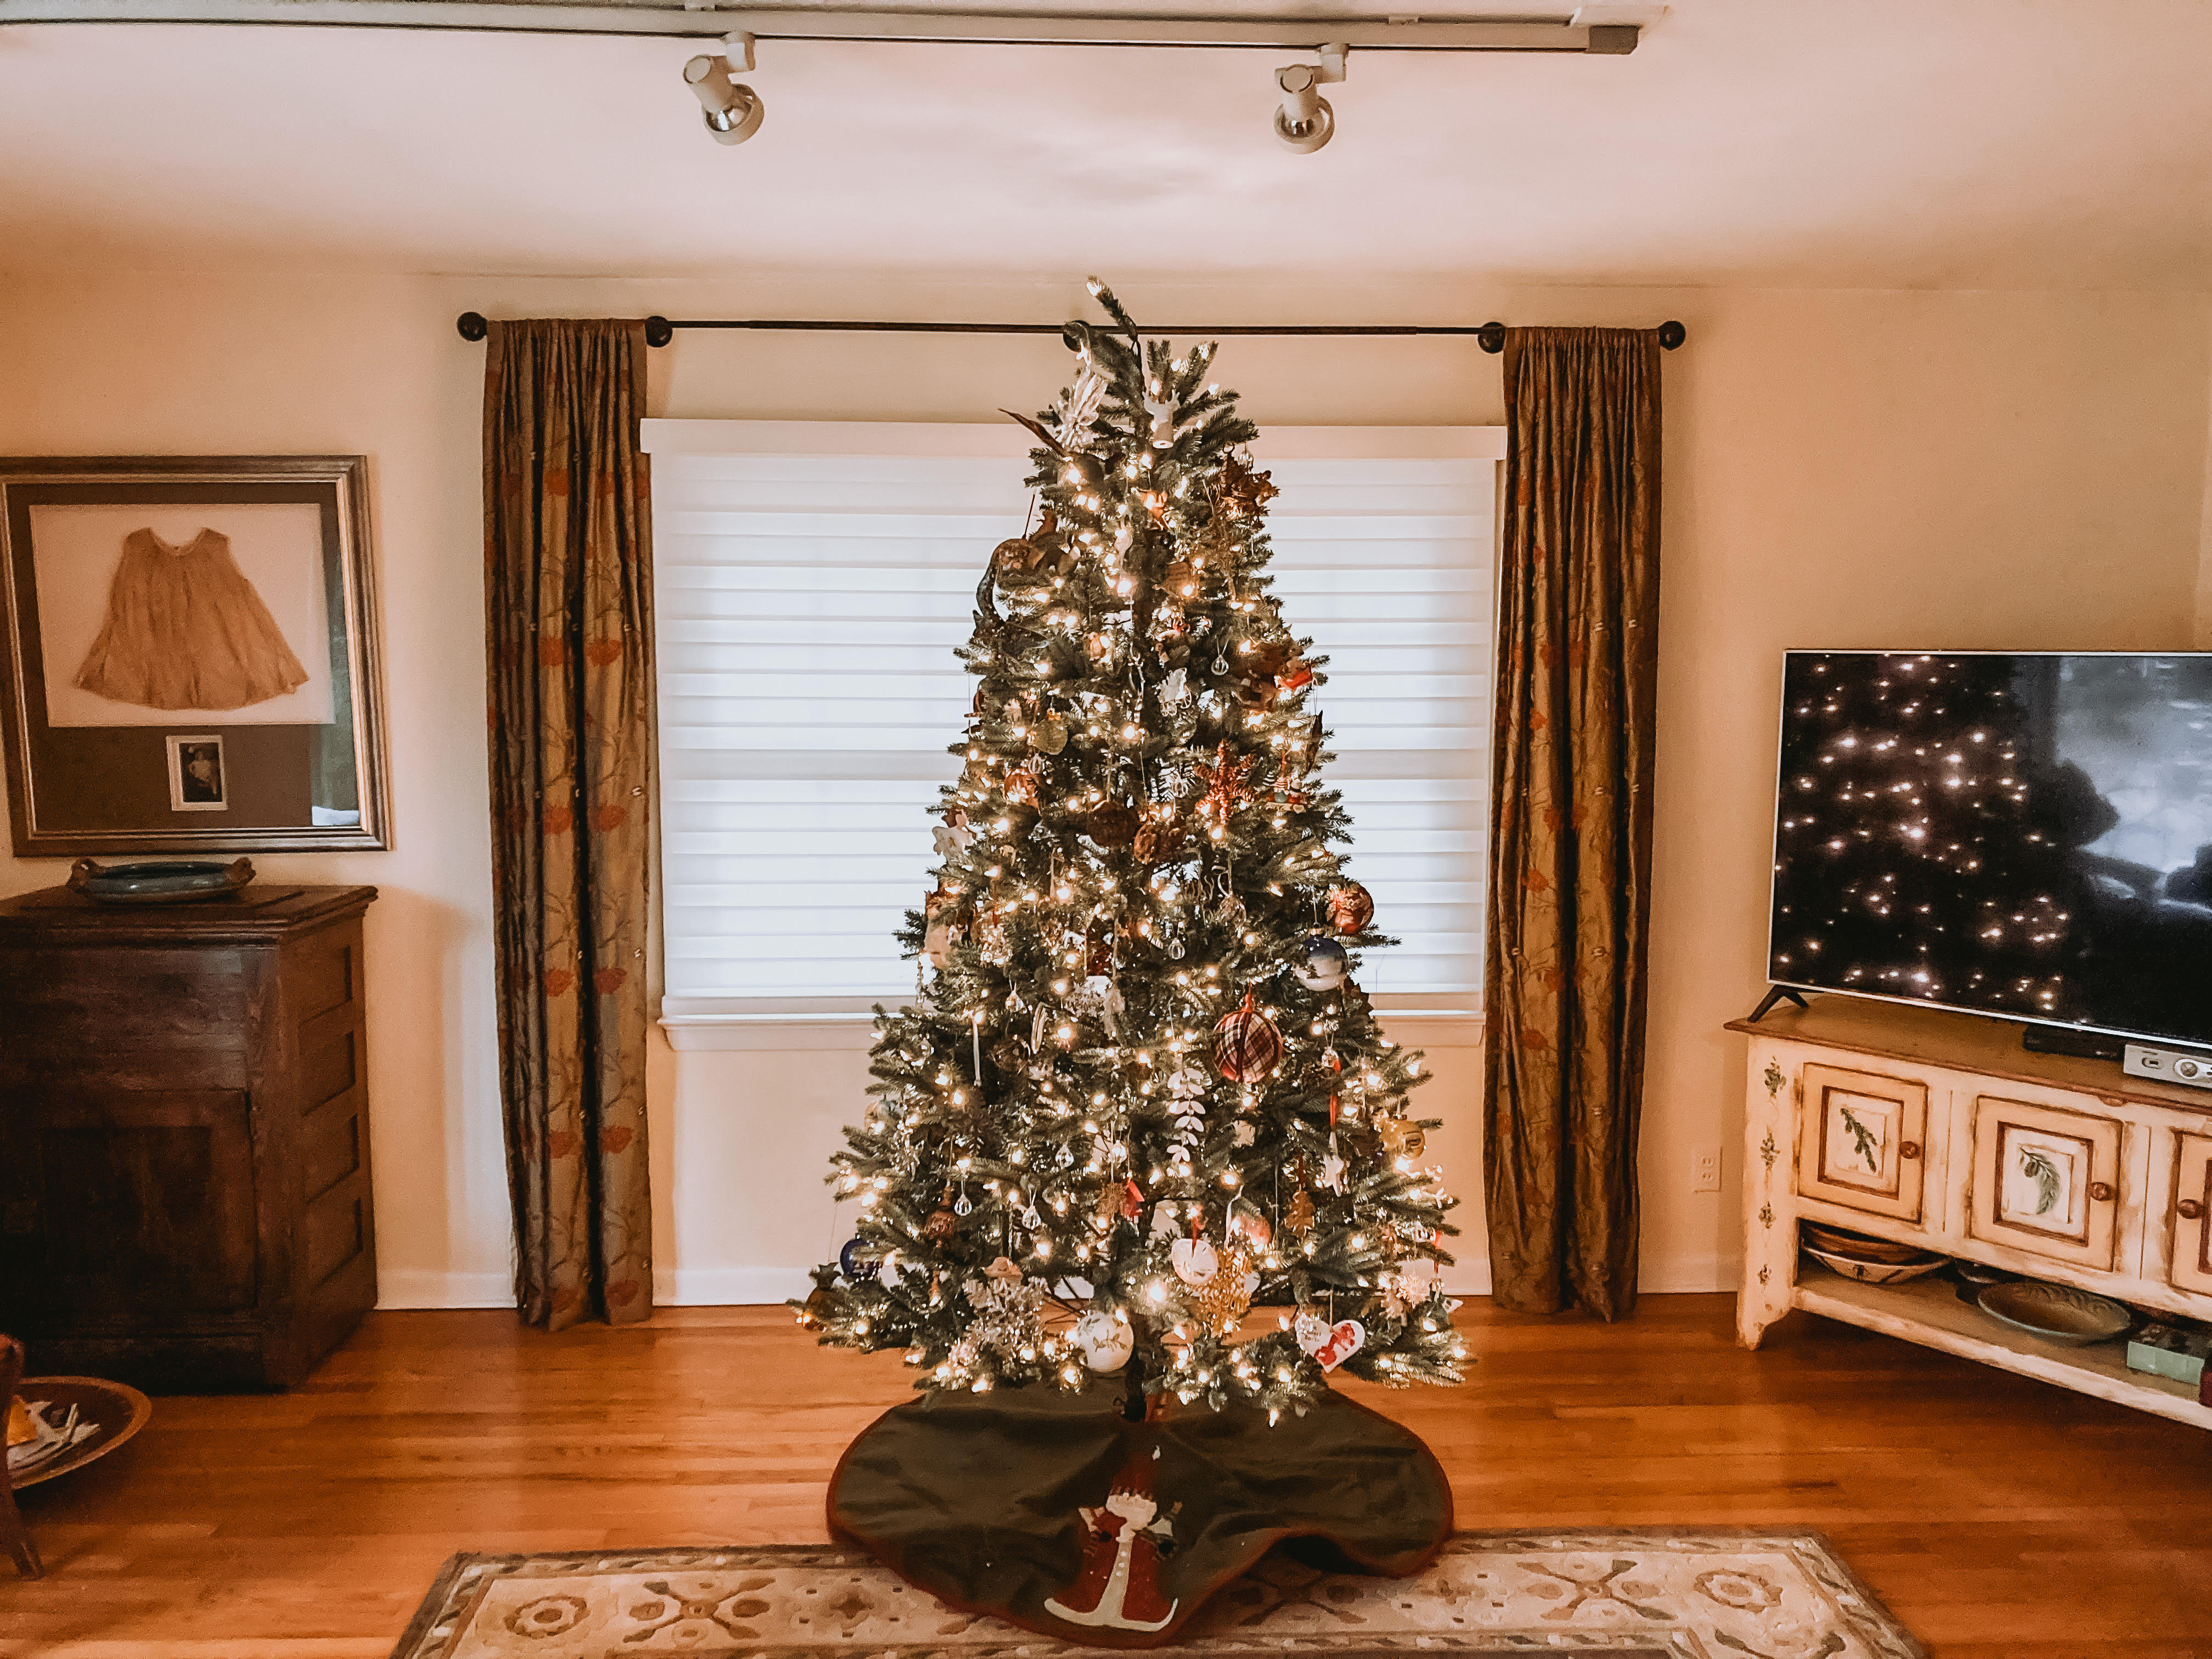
184,1135
1938,1130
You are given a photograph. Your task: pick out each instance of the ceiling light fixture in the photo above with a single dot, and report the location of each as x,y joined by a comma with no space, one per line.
1303,120
732,111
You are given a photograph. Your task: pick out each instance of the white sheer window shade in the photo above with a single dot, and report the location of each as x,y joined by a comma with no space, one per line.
813,580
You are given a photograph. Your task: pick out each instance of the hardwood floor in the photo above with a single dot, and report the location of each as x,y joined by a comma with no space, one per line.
1996,1516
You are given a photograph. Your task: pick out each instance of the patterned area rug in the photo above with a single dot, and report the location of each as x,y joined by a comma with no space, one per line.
1670,1594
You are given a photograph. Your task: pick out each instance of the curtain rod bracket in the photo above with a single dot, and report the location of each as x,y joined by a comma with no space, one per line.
1491,336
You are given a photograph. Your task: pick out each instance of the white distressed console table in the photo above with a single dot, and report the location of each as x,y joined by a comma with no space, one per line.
1938,1129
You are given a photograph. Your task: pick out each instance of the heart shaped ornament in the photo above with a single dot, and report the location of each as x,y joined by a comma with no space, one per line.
1336,1344
1195,1262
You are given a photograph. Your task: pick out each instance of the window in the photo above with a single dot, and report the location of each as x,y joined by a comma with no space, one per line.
812,581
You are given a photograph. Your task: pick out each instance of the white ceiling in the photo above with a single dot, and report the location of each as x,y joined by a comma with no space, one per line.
1973,143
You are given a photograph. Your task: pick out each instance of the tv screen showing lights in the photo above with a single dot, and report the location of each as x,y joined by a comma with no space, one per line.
2021,835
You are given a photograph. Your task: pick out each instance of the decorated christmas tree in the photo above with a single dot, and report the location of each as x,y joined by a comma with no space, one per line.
1140,1128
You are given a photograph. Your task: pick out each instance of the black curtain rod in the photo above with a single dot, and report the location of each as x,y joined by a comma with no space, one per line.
659,331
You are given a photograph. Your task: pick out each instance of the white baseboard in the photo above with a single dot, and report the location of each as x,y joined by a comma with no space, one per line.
728,1287
744,1287
423,1287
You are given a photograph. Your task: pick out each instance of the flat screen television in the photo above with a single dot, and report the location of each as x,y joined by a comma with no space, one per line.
2024,835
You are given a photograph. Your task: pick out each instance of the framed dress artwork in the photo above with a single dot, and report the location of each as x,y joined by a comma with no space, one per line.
189,656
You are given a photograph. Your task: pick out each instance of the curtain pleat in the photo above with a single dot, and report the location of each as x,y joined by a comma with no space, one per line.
568,639
1570,818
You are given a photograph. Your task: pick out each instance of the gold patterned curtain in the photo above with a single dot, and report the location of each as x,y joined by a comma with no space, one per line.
1570,816
568,640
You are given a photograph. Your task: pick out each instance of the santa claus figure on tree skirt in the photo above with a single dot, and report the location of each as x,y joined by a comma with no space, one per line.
1140,1172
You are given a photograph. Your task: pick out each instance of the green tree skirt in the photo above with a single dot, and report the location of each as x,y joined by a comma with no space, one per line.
1058,1515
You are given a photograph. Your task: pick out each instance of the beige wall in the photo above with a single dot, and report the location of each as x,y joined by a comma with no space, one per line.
1843,468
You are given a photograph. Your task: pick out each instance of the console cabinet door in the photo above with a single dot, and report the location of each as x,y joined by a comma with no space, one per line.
2193,1216
1862,1141
2046,1181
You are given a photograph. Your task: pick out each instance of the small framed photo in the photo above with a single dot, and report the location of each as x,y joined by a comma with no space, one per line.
188,656
196,773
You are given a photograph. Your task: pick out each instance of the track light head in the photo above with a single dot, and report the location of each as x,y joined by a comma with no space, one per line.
732,112
1303,120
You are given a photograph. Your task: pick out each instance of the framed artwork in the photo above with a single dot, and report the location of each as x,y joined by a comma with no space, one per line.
188,657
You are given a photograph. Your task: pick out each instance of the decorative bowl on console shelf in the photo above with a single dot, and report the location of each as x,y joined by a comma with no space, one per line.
2057,1313
1878,1273
1859,1247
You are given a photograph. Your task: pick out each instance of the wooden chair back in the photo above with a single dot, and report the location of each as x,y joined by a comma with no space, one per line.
13,1538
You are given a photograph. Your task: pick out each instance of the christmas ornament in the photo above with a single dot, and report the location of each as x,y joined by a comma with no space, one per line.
1222,786
1021,786
1252,1225
1111,825
1176,686
820,1305
1351,908
1077,407
1243,492
941,1225
1049,735
1133,1201
1295,676
1331,1168
1401,1137
1326,964
1009,1311
994,938
1098,949
1227,1297
1246,1044
856,1260
1329,1345
1418,1278
1299,1218
1098,646
953,836
945,928
1195,1262
1106,1338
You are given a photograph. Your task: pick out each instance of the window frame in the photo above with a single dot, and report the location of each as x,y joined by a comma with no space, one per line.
847,1023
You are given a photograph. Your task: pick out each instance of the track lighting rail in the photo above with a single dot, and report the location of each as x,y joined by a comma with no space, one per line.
1608,30
659,331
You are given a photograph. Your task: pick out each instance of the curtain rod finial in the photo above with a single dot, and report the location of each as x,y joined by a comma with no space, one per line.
658,330
1672,334
472,325
1490,337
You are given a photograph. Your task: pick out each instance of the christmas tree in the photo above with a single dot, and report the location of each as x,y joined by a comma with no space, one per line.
1140,1123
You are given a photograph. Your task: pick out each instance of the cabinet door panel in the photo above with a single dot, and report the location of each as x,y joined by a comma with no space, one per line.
2046,1180
2193,1216
137,1208
1860,1140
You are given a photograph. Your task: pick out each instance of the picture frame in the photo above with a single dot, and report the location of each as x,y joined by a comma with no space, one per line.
188,655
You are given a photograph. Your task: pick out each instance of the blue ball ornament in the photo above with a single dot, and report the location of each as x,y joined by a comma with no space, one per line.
1327,962
857,1260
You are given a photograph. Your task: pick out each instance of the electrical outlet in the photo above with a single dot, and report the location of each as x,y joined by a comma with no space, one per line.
1706,1170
